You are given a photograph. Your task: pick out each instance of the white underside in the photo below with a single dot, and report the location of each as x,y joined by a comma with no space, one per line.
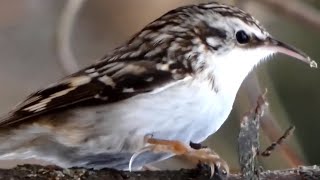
187,111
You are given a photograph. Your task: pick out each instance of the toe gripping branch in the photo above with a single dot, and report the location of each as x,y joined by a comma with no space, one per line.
195,153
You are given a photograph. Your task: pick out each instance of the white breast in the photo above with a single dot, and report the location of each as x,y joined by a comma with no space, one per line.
189,110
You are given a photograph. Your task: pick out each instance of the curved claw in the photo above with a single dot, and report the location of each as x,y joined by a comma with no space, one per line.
212,170
217,165
135,155
221,167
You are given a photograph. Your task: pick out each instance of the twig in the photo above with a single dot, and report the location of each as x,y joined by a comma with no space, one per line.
272,147
248,140
269,124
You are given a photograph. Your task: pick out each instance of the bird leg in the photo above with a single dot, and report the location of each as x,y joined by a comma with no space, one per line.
203,155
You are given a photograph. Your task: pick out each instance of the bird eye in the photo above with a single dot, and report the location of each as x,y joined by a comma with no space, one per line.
242,37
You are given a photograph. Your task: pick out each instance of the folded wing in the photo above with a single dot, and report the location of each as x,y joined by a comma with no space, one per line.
104,82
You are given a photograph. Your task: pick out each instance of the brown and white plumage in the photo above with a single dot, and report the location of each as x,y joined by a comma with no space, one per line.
176,79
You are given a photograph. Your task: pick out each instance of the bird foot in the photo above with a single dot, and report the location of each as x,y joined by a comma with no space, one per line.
208,157
202,155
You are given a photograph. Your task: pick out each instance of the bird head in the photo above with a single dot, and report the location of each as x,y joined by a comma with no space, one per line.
212,39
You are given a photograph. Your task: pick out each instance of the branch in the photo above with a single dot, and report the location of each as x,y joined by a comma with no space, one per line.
272,147
37,172
248,140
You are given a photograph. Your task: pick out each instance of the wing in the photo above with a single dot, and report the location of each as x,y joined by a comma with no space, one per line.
104,82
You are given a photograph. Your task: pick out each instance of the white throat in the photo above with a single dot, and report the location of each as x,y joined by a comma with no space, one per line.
231,69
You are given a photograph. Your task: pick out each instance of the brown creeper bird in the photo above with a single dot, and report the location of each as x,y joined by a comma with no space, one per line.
173,83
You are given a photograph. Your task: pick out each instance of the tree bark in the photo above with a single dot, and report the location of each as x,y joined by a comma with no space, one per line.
38,172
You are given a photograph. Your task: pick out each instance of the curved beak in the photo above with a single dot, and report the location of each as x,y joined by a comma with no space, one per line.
284,48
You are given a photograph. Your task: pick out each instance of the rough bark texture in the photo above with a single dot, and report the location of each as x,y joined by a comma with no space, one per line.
248,140
49,172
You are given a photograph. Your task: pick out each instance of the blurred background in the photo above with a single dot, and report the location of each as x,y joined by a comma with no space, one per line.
41,41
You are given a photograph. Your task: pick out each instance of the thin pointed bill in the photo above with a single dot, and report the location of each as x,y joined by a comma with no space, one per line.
284,48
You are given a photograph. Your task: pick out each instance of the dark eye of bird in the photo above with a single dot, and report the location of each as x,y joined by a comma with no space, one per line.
242,37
